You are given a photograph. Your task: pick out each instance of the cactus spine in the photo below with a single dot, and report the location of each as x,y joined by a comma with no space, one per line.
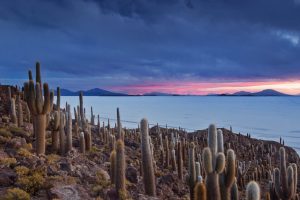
39,107
120,167
147,161
253,191
285,179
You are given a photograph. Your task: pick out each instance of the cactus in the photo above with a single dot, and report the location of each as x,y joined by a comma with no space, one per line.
120,167
119,126
179,161
200,191
58,99
20,111
252,191
39,107
214,164
81,109
285,178
69,129
167,153
92,117
88,136
173,159
62,136
234,191
147,161
13,114
198,171
112,170
192,170
227,177
30,75
55,131
82,143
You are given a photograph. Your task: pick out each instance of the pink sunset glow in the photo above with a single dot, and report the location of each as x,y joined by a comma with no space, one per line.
203,88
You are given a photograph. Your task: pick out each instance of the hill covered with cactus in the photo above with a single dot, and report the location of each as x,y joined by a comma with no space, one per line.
53,151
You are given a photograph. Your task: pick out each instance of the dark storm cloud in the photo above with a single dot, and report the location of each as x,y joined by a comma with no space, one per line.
117,42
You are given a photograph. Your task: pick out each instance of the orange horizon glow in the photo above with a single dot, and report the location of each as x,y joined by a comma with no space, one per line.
204,88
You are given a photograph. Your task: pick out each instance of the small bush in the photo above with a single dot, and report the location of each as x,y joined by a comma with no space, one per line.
9,162
5,133
52,159
16,194
24,152
31,183
22,170
19,131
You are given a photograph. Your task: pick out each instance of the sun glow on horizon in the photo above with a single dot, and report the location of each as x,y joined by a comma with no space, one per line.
203,88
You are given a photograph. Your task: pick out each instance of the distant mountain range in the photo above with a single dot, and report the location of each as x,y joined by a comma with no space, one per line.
91,92
159,94
268,92
101,92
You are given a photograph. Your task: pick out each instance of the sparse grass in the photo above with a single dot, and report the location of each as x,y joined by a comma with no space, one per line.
16,194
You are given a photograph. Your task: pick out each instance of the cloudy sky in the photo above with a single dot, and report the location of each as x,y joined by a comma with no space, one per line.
137,46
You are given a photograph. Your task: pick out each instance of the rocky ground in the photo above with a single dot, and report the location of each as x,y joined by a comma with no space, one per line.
86,176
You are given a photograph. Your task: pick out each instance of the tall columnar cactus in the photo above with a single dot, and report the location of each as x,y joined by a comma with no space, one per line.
200,191
58,99
99,126
119,126
62,136
192,170
227,177
198,171
9,93
88,136
147,161
92,117
214,164
285,179
69,129
13,113
234,191
179,161
112,169
82,143
252,191
173,159
120,167
55,131
81,109
167,164
39,107
20,111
